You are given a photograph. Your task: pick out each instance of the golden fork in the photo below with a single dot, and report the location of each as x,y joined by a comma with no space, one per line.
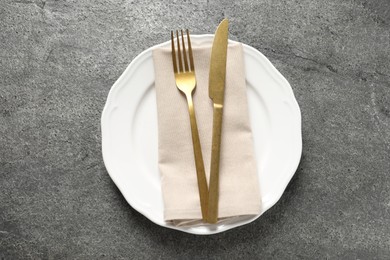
186,83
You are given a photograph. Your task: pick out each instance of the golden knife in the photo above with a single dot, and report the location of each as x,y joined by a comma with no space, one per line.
216,93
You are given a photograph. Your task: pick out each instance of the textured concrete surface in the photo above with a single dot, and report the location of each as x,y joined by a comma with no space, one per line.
60,58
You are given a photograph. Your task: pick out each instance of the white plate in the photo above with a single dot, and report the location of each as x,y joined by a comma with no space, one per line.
129,135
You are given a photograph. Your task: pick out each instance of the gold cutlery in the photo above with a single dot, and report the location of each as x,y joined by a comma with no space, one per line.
186,83
217,77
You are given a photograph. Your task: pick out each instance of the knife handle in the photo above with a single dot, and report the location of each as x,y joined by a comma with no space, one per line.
200,171
212,216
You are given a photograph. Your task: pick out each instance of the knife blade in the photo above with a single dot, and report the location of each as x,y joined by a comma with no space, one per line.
217,78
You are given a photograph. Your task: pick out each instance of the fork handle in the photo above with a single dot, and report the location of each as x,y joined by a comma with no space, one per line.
200,171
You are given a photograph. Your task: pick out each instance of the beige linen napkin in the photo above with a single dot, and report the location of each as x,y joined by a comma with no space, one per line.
239,192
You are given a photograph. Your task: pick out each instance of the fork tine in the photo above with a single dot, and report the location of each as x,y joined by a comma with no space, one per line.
179,52
173,54
192,67
184,52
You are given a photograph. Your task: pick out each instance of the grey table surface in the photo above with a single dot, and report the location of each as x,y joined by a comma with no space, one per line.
58,62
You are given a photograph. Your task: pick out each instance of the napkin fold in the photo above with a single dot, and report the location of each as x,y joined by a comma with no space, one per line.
238,188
